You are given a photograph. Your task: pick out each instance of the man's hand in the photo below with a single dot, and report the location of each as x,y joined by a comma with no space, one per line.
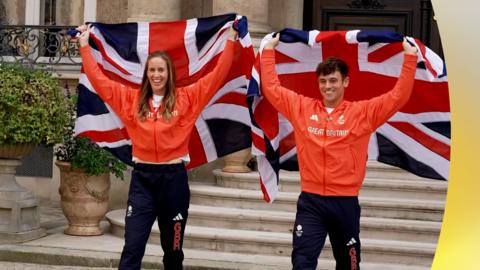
409,48
273,42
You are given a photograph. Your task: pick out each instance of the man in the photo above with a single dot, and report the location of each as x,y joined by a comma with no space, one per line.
332,137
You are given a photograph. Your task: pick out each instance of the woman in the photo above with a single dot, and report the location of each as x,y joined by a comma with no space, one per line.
159,119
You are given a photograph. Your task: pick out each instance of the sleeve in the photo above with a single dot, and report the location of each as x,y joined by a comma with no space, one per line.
283,99
205,88
111,92
381,108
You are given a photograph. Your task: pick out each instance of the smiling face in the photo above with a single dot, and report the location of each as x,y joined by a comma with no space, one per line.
157,74
332,87
332,75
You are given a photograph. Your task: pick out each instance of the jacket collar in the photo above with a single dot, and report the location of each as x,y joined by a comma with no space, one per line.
340,107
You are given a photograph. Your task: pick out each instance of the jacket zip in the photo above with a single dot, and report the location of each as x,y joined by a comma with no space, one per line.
325,155
155,135
328,118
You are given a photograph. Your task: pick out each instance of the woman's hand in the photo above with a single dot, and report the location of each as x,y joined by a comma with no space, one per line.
273,42
84,34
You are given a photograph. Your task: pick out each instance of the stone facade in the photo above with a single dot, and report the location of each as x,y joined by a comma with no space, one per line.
14,11
113,11
264,16
70,12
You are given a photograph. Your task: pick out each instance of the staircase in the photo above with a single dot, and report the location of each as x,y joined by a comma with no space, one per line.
400,224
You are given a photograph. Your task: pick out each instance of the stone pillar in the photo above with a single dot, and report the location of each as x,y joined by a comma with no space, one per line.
13,12
256,12
237,162
112,11
159,10
196,8
286,13
71,12
19,218
3,14
32,12
90,10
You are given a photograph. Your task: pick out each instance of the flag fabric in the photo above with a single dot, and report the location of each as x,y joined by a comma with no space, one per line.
194,45
417,138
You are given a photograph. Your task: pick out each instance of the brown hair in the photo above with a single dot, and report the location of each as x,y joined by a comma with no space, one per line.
146,91
332,64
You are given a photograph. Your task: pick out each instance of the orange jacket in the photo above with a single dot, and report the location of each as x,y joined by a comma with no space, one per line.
156,140
332,148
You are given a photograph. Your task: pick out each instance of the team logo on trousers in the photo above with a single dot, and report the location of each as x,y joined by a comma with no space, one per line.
129,211
177,231
177,235
351,242
178,217
353,258
299,230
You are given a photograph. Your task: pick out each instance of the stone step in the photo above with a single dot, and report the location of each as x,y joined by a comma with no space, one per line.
281,221
405,189
290,182
58,258
414,209
380,170
275,243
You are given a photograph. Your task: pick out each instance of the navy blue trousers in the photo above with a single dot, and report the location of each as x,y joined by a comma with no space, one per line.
156,192
317,216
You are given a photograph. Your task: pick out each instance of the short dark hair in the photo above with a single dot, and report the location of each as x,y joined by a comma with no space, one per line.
332,64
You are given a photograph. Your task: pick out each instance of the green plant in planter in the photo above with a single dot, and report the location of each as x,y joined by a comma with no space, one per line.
84,154
32,106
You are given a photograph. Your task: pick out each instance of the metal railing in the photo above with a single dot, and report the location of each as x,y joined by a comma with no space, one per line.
38,45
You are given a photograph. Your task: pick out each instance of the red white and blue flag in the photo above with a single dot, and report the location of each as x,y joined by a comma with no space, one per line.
194,45
417,138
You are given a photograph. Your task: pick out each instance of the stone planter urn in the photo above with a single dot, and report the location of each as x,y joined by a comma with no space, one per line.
20,220
84,199
237,162
15,151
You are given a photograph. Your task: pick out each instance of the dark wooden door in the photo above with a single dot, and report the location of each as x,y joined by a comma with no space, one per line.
408,17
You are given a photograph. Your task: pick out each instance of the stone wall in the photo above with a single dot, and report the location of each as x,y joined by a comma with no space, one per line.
112,11
14,12
69,12
3,16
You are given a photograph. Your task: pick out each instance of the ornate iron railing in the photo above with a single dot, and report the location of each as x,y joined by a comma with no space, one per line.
38,45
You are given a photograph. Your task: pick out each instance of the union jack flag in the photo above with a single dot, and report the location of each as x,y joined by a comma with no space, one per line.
417,138
194,45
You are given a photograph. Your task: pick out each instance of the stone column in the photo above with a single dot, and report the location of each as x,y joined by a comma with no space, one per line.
90,10
32,12
19,218
112,11
3,14
148,11
13,12
71,13
286,13
256,12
